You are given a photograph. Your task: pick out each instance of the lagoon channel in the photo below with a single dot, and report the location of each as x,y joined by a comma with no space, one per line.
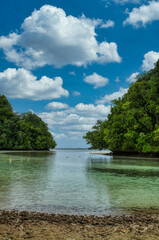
77,182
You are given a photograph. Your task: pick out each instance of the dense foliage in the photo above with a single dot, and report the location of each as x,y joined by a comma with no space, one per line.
133,124
96,137
25,131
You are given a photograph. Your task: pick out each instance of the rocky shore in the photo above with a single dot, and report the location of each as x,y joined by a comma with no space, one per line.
16,225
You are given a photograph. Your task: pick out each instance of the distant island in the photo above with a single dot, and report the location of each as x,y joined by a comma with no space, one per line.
132,127
22,131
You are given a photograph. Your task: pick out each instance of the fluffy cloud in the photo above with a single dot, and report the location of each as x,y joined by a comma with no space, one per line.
75,121
72,73
132,77
117,79
109,97
21,83
108,24
96,80
144,14
92,110
127,1
56,106
122,2
149,61
49,37
58,136
76,93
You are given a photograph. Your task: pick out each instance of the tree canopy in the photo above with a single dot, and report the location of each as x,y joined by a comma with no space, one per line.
22,131
133,124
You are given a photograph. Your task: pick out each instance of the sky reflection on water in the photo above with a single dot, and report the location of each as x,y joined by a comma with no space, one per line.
75,182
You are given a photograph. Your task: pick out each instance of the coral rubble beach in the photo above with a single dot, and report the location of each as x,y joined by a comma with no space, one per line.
41,226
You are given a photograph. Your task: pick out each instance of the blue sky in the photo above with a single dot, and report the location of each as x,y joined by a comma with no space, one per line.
66,60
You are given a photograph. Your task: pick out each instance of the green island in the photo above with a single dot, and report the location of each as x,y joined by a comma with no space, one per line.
132,127
24,131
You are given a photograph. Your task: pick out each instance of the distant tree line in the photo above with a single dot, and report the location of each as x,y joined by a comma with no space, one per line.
133,124
24,131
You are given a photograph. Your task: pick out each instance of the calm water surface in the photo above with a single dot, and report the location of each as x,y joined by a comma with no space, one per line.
75,182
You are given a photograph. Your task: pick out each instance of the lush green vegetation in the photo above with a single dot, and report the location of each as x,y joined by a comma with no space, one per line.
133,124
25,131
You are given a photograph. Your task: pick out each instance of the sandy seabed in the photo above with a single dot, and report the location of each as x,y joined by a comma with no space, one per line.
16,225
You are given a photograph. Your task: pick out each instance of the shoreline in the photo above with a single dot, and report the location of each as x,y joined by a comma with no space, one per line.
34,225
127,155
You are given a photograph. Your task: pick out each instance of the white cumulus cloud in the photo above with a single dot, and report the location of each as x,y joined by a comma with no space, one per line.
58,136
21,83
72,73
49,37
132,77
149,61
109,97
117,79
122,2
90,109
74,122
108,24
56,106
144,14
96,80
76,93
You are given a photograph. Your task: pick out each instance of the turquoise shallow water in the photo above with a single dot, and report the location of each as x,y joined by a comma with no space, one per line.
76,182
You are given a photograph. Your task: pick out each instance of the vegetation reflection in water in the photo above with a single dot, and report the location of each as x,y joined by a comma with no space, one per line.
75,182
130,183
